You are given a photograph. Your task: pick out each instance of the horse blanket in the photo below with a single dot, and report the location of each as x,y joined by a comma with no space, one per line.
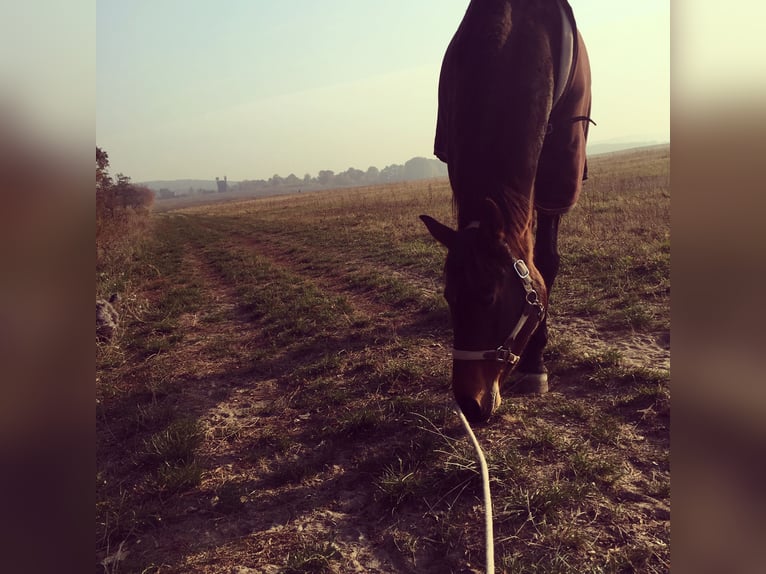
562,165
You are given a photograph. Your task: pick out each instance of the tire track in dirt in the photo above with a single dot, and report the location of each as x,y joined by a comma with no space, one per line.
204,376
227,400
366,302
294,257
231,402
284,256
427,330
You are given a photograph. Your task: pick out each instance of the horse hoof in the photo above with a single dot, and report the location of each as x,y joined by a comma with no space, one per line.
529,383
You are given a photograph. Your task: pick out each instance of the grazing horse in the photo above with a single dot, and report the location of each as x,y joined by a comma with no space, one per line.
514,107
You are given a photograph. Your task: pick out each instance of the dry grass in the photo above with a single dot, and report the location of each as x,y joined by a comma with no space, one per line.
279,401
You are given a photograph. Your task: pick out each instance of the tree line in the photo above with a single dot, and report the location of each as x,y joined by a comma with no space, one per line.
414,169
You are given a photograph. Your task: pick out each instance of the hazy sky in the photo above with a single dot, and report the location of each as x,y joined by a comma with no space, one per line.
253,88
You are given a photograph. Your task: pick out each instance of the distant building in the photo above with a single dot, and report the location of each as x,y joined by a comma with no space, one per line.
222,184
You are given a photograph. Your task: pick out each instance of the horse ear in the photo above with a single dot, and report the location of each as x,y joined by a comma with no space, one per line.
443,234
494,220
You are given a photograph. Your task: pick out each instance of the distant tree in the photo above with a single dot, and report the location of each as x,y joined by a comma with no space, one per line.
391,173
128,195
372,175
121,191
141,198
342,179
276,180
354,176
292,179
419,168
326,176
307,178
114,195
103,181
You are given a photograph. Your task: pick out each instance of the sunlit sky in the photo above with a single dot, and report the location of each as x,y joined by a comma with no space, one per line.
253,88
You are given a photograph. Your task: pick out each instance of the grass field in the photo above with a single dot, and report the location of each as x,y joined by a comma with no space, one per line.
277,398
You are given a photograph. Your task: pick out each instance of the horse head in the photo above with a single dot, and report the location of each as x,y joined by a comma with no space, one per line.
496,301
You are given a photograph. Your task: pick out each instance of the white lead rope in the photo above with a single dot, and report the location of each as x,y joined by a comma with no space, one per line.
489,539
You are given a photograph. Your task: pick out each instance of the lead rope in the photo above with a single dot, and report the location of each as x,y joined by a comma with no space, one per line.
489,539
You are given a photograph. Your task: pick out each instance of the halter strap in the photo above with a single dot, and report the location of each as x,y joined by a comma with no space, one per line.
509,352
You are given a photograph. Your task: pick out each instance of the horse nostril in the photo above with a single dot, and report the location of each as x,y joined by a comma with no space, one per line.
471,409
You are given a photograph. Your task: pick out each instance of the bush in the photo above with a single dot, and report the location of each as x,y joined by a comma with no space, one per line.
122,211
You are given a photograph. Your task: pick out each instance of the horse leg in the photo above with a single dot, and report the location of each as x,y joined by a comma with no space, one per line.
532,376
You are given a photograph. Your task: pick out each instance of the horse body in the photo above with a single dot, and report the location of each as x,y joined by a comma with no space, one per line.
512,131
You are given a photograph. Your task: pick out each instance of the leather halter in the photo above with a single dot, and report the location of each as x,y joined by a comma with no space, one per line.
532,315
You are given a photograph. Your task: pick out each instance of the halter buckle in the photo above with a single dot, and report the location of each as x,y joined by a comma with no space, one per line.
521,268
504,355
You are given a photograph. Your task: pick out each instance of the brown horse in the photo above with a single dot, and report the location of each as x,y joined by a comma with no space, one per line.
514,106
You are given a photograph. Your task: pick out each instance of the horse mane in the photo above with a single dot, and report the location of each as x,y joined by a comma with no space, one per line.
516,210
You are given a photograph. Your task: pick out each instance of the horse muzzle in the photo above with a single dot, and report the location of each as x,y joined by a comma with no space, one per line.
476,387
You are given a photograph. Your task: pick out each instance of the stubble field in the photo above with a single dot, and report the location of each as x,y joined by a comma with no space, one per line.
277,396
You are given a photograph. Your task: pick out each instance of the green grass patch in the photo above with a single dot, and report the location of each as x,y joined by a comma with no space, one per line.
176,444
539,504
399,483
312,557
589,466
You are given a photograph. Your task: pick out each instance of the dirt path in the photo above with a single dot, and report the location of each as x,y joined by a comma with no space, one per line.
231,403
